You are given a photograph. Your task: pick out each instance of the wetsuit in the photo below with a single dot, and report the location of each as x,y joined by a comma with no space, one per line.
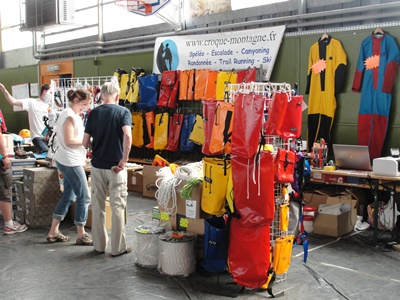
377,66
327,67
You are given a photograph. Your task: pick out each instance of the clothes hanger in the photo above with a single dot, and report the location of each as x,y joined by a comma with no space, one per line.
325,36
378,31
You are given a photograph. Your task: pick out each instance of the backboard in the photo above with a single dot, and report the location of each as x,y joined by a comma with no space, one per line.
142,7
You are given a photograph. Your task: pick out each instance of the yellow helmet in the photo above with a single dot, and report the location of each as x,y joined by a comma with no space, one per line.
25,133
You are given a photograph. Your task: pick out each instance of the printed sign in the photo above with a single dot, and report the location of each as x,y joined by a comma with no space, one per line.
221,51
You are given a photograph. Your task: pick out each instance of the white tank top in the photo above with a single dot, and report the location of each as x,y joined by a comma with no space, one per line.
70,156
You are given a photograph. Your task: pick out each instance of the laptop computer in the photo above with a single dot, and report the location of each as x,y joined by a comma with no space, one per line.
352,157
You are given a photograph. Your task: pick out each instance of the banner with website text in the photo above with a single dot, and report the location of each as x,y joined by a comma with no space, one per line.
220,51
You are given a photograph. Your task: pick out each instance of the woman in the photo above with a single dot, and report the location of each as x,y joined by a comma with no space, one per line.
70,158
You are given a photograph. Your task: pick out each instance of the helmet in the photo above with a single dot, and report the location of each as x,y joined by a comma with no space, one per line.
25,133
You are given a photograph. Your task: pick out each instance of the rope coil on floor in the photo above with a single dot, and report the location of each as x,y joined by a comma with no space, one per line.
177,254
146,241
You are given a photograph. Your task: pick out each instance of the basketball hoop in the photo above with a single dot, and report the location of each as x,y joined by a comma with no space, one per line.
142,7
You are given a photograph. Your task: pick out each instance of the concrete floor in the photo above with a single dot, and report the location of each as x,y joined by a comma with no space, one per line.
343,268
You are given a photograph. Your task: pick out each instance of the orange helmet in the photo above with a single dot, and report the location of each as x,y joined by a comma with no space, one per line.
25,133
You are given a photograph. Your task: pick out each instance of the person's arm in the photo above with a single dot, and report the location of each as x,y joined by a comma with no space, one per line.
126,147
68,131
127,144
5,160
10,99
86,141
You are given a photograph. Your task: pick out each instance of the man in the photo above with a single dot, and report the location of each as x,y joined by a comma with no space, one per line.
37,109
10,226
108,134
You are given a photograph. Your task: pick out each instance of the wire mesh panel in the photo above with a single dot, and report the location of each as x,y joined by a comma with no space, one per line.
61,86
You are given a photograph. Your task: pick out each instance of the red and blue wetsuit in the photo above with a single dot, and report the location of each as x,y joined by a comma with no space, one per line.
377,66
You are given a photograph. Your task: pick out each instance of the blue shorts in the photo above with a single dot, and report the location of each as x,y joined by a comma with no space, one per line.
40,145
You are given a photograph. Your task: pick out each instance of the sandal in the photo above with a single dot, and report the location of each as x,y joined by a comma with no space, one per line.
59,237
86,240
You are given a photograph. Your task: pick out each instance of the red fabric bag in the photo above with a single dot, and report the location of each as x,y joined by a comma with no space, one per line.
276,113
253,189
284,166
249,254
174,131
246,76
247,124
169,89
291,126
208,121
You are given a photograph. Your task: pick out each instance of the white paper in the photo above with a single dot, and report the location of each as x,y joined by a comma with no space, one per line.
191,209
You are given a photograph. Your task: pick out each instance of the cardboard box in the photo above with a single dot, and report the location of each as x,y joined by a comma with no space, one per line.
72,208
331,225
40,174
19,164
190,224
345,198
327,190
135,181
339,225
314,199
191,208
19,186
165,217
108,216
149,181
41,197
19,216
40,210
38,221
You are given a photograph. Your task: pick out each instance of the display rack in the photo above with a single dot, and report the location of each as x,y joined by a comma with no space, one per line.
263,88
61,86
267,89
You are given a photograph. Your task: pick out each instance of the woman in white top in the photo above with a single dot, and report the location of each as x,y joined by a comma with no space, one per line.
70,159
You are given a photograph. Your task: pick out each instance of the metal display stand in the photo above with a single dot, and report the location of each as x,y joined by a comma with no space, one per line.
61,86
267,89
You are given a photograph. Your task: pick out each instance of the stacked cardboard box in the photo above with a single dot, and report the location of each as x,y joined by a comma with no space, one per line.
18,201
42,192
72,209
18,165
135,181
149,181
334,225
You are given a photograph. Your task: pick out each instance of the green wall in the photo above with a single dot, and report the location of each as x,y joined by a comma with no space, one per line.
16,121
106,65
291,66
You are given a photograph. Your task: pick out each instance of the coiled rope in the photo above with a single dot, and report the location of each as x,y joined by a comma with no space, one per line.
187,190
168,182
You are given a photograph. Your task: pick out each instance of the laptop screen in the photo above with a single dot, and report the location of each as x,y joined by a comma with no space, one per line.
353,157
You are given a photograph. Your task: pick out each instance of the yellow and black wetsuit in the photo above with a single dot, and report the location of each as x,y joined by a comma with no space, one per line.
326,72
